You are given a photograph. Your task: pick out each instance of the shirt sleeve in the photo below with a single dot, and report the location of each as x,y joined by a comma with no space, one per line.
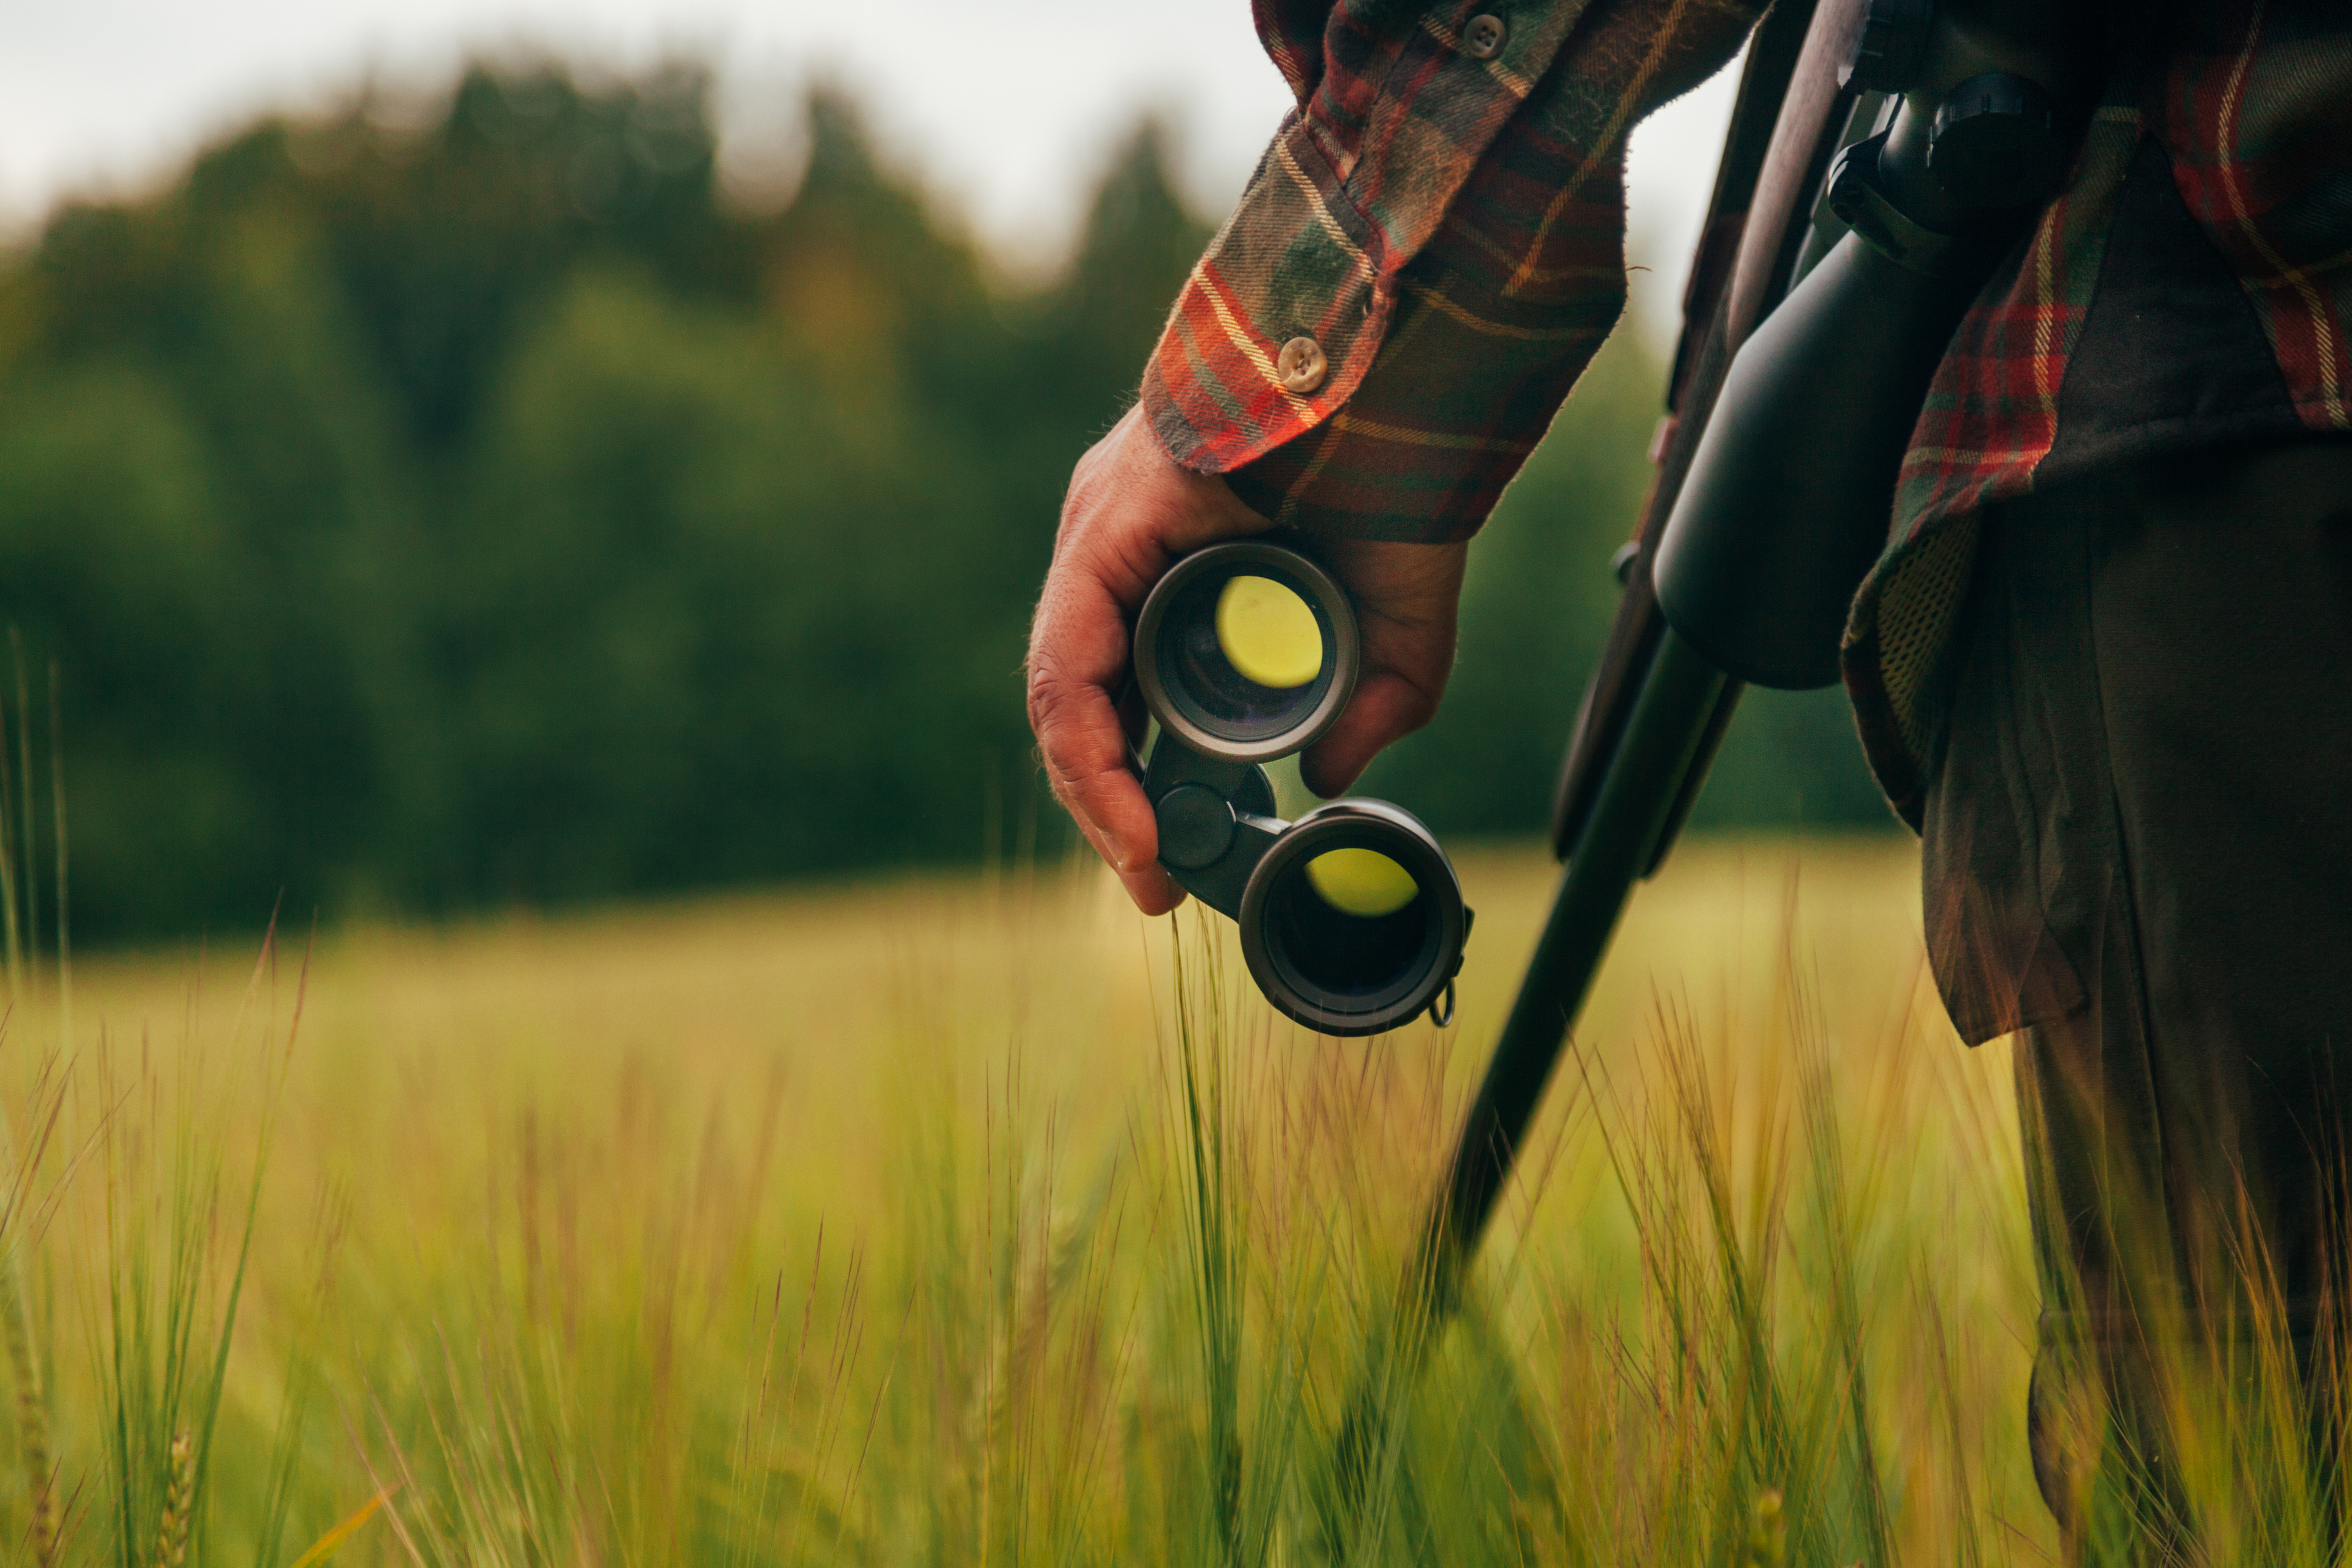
1426,256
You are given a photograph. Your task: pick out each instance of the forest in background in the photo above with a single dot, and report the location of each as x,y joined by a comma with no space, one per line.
423,517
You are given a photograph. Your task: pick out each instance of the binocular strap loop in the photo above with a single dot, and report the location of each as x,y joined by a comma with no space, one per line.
1441,1008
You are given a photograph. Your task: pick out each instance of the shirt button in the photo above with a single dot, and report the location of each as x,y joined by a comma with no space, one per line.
1482,39
1301,365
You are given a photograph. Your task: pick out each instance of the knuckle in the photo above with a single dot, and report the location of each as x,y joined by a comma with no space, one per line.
1069,766
1050,695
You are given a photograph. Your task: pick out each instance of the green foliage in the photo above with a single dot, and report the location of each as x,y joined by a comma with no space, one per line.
487,511
428,516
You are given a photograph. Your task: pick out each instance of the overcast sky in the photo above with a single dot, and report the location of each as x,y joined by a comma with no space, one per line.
1006,107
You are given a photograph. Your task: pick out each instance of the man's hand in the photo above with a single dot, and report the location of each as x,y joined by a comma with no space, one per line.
1130,514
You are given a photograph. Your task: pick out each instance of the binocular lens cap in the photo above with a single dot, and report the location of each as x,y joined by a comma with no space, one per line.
1247,651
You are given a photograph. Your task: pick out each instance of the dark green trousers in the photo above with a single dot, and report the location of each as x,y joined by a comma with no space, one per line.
2139,852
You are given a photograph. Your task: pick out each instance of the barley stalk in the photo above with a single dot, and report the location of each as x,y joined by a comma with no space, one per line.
32,1412
172,1539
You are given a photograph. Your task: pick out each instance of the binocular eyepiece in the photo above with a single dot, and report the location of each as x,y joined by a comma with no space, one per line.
1351,918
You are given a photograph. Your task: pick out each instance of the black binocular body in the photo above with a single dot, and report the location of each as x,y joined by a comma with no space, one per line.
1351,918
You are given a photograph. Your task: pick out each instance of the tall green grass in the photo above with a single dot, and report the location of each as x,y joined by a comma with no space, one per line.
944,1224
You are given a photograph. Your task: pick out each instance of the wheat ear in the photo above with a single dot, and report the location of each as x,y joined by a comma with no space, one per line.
172,1540
1768,1532
31,1411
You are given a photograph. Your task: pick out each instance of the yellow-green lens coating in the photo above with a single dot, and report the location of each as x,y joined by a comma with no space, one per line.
1268,632
1360,882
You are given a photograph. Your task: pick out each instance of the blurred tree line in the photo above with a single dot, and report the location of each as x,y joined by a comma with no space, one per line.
423,518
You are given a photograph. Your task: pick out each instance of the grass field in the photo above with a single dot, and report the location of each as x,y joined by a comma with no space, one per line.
981,1221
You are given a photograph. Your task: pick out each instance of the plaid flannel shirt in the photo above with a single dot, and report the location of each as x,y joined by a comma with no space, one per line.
2247,106
1448,230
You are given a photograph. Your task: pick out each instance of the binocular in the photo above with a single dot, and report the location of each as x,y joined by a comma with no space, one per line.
1351,918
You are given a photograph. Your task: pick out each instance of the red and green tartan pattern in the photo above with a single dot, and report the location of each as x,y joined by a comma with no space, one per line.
1450,232
2254,109
2259,123
1991,413
1991,417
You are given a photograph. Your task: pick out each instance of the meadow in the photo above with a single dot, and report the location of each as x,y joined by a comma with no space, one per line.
976,1219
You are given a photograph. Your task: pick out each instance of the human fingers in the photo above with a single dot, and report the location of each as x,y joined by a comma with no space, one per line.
1129,512
1079,648
1407,599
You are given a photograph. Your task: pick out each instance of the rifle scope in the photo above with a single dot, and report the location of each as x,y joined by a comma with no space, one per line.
1351,918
